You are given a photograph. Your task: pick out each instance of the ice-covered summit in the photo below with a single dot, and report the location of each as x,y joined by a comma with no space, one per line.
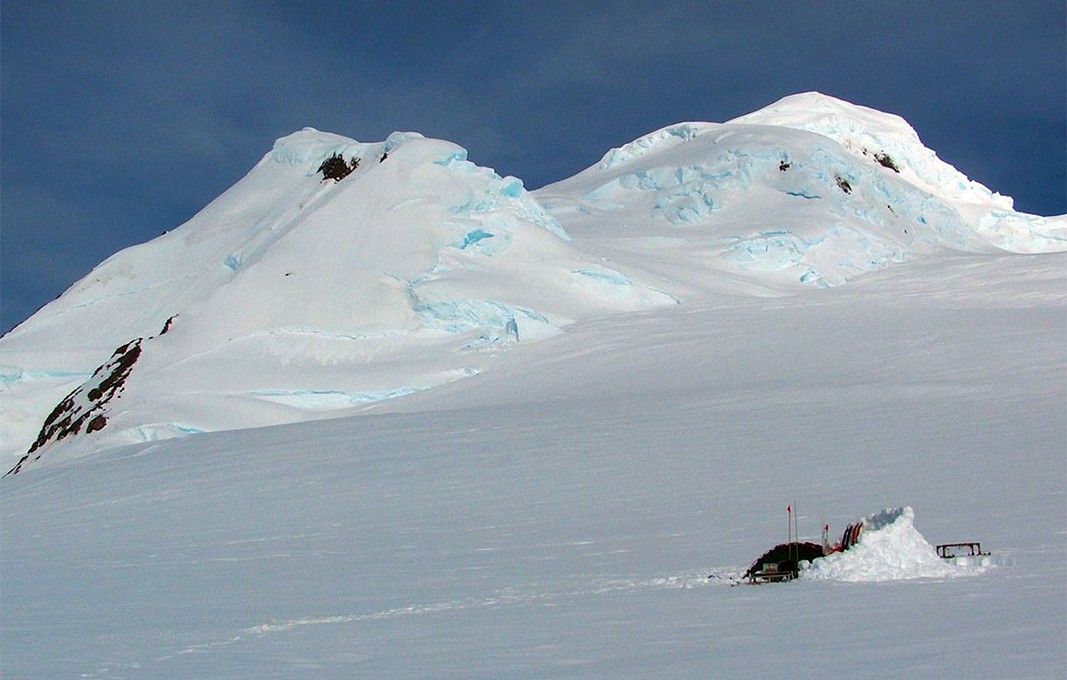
809,191
883,137
303,293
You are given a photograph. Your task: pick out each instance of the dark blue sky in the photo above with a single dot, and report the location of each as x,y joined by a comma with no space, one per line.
120,120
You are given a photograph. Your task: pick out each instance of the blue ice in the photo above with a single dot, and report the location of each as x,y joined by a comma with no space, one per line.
458,156
330,399
511,329
462,316
473,237
803,194
769,252
512,187
16,375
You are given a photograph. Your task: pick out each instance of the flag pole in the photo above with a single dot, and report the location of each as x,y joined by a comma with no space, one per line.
794,552
789,530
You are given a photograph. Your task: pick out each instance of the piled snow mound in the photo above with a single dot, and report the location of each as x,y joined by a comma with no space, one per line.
889,549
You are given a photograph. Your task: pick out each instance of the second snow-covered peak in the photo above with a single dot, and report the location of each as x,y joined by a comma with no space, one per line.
809,190
884,137
831,117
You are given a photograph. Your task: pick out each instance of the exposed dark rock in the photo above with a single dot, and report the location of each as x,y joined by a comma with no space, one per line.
85,406
886,162
336,168
167,325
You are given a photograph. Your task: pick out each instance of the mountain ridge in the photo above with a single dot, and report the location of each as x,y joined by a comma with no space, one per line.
293,296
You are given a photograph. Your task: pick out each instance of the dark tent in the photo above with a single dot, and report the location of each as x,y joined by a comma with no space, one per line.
780,563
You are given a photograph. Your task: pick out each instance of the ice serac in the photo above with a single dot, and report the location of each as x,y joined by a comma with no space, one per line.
890,141
293,296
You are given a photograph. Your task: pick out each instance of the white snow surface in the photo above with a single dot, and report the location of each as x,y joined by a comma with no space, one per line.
541,443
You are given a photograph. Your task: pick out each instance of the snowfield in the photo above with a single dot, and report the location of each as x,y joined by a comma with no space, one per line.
497,433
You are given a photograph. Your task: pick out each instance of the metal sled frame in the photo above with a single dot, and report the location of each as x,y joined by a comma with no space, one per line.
947,551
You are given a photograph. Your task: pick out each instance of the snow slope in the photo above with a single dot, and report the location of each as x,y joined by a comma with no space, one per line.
558,514
290,297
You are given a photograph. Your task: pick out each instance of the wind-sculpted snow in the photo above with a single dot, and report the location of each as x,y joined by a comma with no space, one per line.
656,141
499,193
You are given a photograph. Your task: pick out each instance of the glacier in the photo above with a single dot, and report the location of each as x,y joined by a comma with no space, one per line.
418,248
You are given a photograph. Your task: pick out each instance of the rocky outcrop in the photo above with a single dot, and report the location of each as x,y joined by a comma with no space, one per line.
86,407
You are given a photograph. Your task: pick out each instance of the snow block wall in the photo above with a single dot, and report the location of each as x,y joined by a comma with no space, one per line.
890,548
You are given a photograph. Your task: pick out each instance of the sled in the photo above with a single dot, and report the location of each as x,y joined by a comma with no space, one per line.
948,551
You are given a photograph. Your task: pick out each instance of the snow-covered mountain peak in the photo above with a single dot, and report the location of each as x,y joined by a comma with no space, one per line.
831,117
340,273
307,145
884,137
304,290
809,190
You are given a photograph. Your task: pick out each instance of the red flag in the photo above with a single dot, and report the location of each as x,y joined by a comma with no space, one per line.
789,508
